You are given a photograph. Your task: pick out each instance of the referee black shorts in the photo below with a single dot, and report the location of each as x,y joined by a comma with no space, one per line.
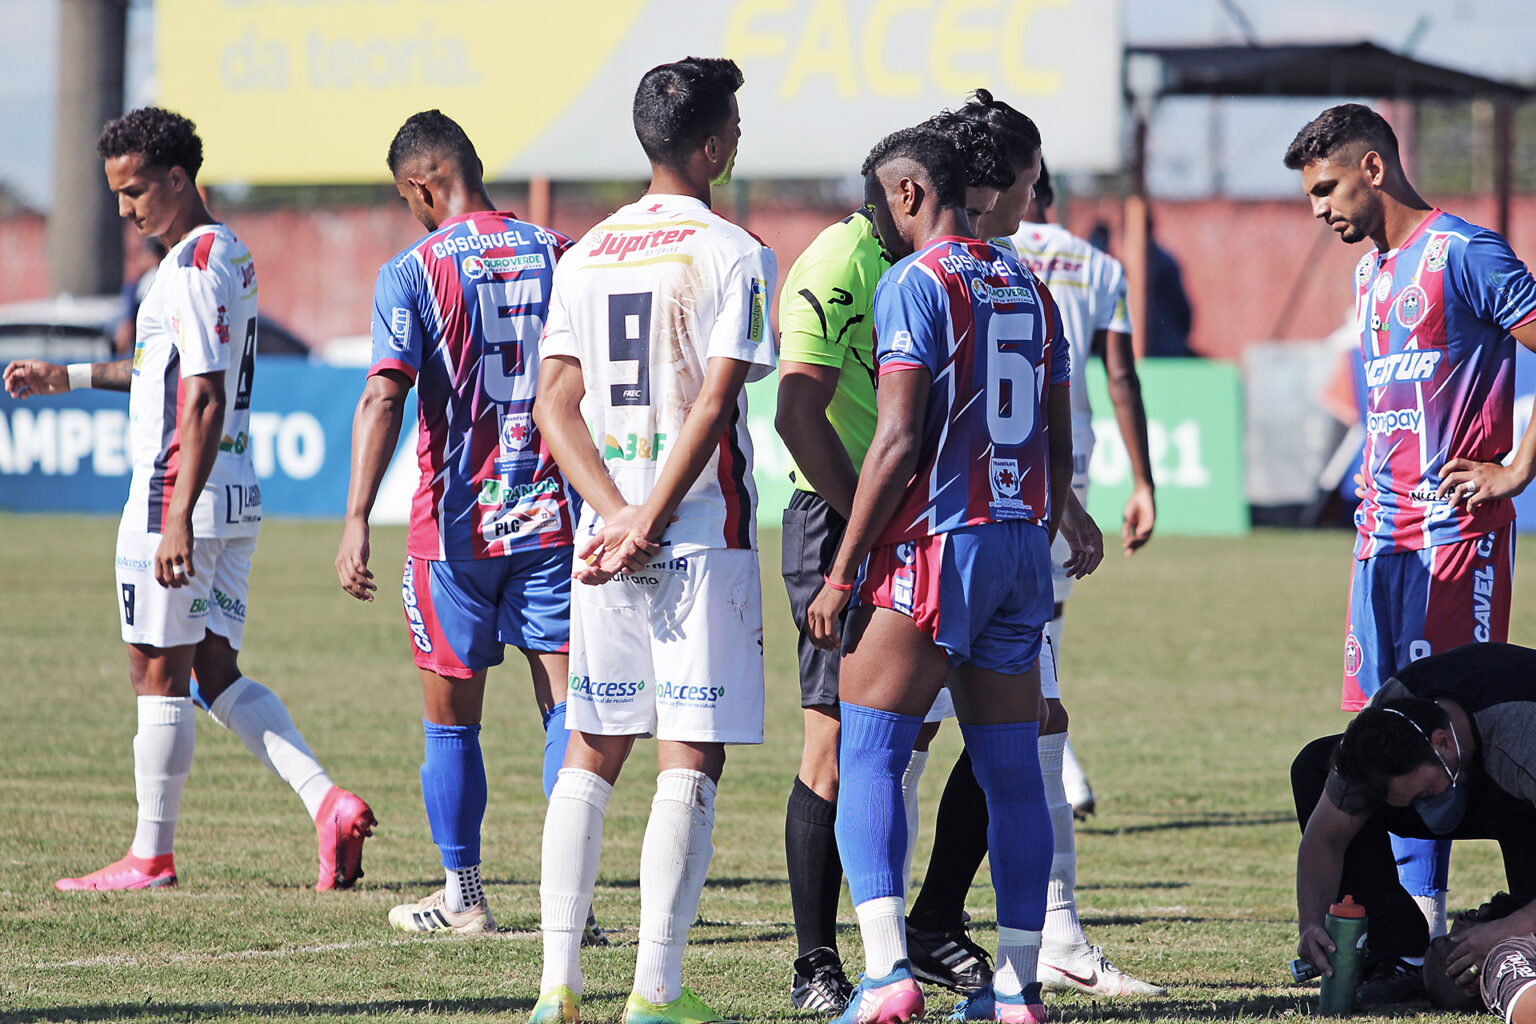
812,532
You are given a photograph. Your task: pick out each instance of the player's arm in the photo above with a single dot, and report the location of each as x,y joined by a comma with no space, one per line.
888,468
1472,483
375,432
1124,385
201,425
1319,865
805,391
25,378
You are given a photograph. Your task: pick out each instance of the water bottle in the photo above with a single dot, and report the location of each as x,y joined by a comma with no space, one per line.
1346,926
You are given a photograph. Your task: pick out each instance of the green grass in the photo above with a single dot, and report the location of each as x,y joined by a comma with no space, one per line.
1193,673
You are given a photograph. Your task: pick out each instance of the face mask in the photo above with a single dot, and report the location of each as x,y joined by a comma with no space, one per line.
1441,814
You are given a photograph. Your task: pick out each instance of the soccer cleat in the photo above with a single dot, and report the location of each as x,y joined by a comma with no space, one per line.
1082,808
1086,969
949,959
557,1006
888,1000
343,823
820,983
1395,981
432,915
685,1009
593,934
132,872
1024,1008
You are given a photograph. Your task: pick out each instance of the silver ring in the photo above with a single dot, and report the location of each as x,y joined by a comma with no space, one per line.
1472,970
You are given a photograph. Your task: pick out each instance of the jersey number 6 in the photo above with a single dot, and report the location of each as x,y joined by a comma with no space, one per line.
1010,412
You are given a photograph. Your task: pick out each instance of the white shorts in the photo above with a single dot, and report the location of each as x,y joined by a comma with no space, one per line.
212,601
1050,685
1061,583
674,651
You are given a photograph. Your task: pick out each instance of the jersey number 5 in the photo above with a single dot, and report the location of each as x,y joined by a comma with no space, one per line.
509,319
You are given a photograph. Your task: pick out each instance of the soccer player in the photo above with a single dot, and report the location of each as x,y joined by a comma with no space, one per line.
659,317
1437,301
957,499
488,558
826,416
189,527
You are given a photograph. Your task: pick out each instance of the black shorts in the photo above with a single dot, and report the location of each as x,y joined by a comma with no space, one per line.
812,532
1507,973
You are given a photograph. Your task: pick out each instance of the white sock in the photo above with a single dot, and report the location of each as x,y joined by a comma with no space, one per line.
257,715
1433,909
674,859
162,760
883,925
1073,779
909,780
1018,951
573,844
1062,928
462,888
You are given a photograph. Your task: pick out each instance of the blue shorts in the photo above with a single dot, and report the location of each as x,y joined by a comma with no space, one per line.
1410,604
470,608
982,592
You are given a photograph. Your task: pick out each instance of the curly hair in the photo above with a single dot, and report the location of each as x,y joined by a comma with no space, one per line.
1018,139
933,151
984,166
1337,127
679,105
1387,741
162,138
433,132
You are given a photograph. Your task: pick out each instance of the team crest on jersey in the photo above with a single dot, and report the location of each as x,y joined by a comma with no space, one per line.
1004,477
221,325
1411,306
1352,655
516,430
1363,270
1384,286
473,266
1435,253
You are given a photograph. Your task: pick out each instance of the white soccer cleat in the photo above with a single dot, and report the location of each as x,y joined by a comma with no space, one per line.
432,915
1086,969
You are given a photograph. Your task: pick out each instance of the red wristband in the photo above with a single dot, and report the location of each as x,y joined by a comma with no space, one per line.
845,588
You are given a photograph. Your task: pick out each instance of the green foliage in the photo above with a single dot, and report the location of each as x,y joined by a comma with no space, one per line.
1193,672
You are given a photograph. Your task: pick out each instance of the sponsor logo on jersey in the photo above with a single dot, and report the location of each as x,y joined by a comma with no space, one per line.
516,431
1353,656
237,444
636,446
1402,366
606,691
901,341
522,520
1383,286
399,328
1015,294
1436,253
221,325
199,607
247,272
980,290
1426,495
624,244
758,315
679,693
496,491
481,266
472,266
133,564
478,243
230,606
1412,304
412,612
1393,420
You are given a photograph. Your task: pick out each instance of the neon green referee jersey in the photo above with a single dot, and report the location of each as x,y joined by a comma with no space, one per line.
826,317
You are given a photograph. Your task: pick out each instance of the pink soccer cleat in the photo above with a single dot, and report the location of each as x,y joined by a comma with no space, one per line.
129,873
343,823
893,999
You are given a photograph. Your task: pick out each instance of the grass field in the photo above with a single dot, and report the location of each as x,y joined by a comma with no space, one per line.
1193,673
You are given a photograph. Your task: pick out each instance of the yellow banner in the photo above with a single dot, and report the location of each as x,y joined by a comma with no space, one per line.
304,91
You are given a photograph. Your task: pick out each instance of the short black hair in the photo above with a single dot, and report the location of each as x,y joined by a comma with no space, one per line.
933,151
1018,140
433,132
162,138
1045,195
1384,742
1337,127
679,105
984,165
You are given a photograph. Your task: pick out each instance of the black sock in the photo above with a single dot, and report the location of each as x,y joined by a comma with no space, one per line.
815,870
959,844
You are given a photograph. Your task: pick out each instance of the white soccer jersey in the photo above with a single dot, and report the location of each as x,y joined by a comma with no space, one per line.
643,301
199,317
1089,289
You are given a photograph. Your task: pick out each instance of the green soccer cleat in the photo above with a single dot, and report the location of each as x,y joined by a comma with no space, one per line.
685,1009
557,1006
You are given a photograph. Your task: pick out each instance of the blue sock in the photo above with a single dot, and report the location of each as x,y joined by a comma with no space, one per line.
1006,759
555,739
453,788
1423,865
871,819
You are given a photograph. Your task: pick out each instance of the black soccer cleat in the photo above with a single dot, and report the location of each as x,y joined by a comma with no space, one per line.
820,983
1394,981
949,959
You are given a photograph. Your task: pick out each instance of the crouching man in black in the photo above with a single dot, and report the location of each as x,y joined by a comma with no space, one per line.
1445,749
